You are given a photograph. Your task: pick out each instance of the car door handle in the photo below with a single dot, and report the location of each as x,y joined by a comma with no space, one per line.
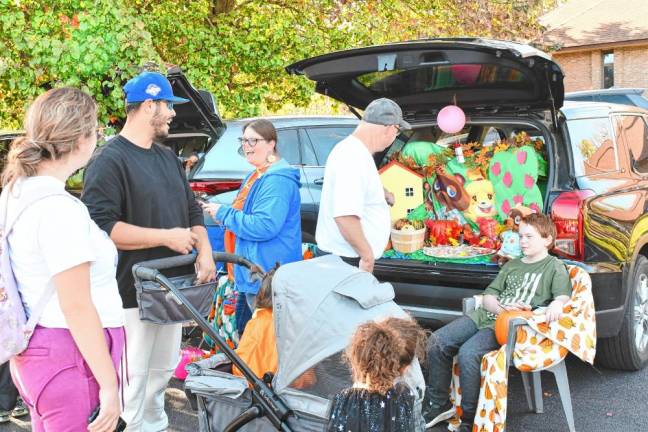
319,181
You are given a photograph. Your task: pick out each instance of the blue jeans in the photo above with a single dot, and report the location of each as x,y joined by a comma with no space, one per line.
244,307
461,337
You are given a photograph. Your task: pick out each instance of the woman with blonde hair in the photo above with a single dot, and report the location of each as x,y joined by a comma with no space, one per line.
64,267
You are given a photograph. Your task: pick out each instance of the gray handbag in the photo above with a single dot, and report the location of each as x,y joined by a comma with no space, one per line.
159,306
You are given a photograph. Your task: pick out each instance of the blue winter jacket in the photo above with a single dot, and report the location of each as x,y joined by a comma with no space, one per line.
268,228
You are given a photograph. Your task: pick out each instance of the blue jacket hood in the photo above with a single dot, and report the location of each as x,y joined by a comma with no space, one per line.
268,228
283,168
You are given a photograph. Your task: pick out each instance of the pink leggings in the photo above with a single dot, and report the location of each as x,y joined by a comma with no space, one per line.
56,382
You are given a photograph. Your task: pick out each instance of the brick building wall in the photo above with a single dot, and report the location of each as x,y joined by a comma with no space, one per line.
584,69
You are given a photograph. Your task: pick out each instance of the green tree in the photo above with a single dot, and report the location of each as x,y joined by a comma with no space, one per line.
93,45
237,49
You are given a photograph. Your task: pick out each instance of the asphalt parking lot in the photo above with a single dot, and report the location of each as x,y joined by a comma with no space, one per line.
603,400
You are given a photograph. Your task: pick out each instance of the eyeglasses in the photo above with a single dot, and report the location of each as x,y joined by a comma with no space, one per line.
250,141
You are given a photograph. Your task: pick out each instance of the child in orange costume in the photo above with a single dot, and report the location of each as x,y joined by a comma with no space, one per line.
258,345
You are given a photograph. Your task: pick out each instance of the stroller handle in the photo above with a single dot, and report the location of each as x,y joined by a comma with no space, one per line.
148,270
267,402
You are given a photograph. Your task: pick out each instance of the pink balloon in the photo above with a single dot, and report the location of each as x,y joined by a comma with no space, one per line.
451,119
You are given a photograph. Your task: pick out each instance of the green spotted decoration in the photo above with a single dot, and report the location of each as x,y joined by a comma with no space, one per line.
514,174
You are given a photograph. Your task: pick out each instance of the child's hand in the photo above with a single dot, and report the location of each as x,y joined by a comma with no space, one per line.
517,306
554,311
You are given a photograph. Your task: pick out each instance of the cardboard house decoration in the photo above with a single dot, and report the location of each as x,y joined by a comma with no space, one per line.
405,184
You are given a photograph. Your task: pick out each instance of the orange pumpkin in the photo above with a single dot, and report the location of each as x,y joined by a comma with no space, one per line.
502,323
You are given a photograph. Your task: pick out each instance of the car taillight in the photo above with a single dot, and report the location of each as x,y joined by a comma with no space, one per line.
567,215
214,187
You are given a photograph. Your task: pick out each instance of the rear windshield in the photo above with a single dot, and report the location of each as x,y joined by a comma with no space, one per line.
639,101
399,83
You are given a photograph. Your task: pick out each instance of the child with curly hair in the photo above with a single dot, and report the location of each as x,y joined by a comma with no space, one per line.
380,399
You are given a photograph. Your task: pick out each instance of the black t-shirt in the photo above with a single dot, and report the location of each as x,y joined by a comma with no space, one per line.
142,187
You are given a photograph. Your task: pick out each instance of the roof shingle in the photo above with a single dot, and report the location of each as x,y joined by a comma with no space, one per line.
593,22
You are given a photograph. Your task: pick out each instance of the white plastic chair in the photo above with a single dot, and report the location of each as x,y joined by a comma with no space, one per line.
531,380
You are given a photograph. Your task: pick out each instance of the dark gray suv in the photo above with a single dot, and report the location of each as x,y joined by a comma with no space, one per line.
595,186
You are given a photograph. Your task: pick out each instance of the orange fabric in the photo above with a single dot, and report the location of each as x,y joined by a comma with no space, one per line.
258,346
306,380
239,201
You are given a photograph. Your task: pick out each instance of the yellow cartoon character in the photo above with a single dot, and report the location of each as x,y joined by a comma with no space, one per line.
482,204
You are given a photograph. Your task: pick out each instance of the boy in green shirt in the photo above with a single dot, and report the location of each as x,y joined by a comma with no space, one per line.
536,280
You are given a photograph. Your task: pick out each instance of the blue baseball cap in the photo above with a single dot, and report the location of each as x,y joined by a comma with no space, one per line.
150,85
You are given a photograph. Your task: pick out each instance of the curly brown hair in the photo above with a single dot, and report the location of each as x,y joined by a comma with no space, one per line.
380,351
414,336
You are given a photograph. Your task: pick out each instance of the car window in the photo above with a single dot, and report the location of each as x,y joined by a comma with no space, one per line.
223,158
288,145
396,147
580,98
617,99
491,137
594,147
636,137
323,139
307,151
639,101
183,146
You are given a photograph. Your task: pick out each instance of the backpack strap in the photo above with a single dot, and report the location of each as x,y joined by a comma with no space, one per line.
7,227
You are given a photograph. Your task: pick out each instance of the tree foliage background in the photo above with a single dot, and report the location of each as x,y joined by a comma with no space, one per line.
237,49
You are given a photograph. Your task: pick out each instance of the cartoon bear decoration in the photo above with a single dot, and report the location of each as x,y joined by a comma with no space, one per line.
510,248
446,197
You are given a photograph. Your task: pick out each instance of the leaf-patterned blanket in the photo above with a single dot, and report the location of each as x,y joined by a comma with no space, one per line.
539,345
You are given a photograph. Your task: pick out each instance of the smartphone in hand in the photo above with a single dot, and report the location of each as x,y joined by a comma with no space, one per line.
121,424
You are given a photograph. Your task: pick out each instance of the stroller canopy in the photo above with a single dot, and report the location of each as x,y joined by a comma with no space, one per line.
318,304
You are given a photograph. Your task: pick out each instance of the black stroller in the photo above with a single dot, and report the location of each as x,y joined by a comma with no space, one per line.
317,305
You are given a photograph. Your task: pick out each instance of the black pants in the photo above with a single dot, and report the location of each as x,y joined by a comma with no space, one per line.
354,261
8,391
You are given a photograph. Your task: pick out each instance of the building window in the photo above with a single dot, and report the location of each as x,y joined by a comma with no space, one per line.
409,191
608,69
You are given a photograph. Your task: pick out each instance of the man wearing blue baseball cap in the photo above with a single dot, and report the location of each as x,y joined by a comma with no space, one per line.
137,192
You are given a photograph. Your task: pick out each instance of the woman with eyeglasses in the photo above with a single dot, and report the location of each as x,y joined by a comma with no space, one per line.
263,223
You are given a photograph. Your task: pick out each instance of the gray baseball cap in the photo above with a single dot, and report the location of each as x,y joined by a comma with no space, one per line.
386,112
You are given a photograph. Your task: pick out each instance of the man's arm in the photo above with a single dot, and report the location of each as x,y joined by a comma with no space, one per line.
131,237
351,230
205,266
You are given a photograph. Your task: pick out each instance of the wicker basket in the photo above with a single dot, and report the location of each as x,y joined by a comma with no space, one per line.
407,241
